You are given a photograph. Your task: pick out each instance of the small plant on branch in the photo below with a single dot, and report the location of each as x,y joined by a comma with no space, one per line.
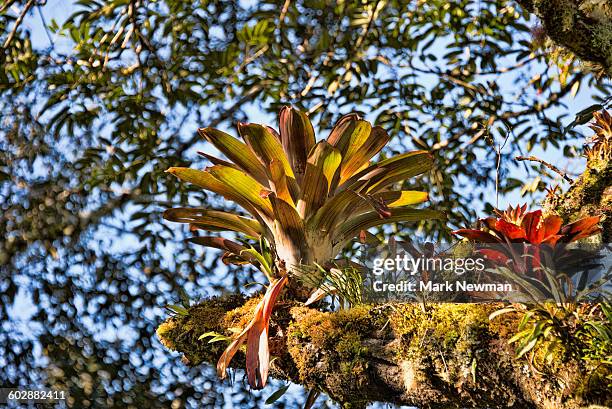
306,201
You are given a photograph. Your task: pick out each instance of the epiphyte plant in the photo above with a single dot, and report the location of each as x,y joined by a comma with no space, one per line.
306,199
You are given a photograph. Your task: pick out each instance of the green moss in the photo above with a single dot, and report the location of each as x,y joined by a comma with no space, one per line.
449,352
446,323
181,333
446,340
329,349
349,345
602,39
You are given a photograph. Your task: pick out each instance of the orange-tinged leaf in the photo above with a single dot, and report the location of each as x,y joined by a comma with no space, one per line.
215,218
530,224
297,138
279,179
234,347
235,151
340,136
265,145
356,159
477,235
581,228
319,294
242,185
510,230
551,226
258,353
327,158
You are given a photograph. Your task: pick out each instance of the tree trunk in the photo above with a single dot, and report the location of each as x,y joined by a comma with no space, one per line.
450,355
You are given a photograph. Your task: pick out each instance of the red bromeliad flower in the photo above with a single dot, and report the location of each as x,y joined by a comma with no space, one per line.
518,237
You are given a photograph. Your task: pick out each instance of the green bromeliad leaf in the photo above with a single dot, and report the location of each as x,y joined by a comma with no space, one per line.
352,227
327,158
242,185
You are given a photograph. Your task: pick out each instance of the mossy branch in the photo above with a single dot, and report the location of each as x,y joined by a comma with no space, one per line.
451,355
583,27
589,194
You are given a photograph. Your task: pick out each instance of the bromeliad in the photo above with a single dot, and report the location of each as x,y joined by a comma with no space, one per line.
307,199
517,237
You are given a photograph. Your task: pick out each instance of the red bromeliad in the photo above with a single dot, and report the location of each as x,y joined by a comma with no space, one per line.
518,237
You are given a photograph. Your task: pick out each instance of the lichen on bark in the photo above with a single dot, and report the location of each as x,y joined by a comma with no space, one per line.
447,355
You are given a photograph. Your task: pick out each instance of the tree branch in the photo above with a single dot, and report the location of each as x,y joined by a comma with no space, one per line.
451,355
568,24
18,22
548,165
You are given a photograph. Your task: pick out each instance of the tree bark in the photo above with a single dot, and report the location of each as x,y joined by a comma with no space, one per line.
578,26
450,355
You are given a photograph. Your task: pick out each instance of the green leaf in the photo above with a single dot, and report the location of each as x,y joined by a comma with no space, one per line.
314,191
184,298
215,337
207,181
277,394
500,312
400,168
281,182
527,347
352,227
325,218
177,309
327,158
226,245
360,152
243,186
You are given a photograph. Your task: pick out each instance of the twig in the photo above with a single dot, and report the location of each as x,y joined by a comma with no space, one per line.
498,150
25,10
283,13
6,5
44,22
548,165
